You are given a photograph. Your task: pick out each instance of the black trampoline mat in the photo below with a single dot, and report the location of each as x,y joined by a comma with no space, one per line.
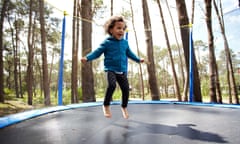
148,124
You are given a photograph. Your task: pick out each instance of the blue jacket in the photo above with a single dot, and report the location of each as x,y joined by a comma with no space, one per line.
116,54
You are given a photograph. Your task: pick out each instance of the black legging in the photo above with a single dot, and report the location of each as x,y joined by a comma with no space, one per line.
122,80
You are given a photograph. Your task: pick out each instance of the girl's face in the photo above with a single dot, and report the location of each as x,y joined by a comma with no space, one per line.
118,30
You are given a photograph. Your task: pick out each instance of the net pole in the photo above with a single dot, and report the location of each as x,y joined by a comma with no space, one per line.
61,63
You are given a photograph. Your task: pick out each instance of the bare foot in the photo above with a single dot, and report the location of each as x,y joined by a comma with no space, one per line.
125,113
107,112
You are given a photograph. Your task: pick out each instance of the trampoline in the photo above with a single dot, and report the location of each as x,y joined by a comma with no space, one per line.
149,123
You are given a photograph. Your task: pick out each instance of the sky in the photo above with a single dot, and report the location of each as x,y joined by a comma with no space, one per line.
231,17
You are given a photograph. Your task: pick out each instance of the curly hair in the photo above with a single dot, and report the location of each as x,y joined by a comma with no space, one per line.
111,22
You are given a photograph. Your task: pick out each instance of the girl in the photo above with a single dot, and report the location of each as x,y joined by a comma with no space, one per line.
116,53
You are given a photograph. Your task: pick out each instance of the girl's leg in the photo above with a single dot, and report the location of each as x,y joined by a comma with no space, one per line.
124,85
111,85
111,80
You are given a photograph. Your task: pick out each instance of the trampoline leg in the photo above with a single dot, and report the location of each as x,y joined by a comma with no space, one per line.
107,112
125,113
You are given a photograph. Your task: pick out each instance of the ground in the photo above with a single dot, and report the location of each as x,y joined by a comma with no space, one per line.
11,107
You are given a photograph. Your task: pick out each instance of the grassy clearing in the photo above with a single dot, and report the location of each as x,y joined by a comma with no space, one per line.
13,106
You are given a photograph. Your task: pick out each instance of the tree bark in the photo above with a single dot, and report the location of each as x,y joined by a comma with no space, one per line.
88,91
47,100
4,9
228,56
212,58
176,84
138,51
181,61
14,49
152,80
30,58
15,60
75,34
111,7
183,23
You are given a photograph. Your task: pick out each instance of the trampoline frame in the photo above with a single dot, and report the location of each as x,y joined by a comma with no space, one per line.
19,117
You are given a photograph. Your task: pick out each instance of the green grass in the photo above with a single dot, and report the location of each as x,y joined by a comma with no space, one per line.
13,106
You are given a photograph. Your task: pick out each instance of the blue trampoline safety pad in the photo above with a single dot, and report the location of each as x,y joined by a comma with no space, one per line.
16,118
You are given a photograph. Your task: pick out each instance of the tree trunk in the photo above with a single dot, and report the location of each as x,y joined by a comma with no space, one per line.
14,47
151,65
228,82
75,35
183,23
88,91
15,61
111,7
212,59
4,9
138,51
30,58
228,55
176,84
218,87
179,49
20,77
47,100
18,59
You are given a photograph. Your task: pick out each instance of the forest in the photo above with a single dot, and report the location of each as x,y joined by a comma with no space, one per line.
177,65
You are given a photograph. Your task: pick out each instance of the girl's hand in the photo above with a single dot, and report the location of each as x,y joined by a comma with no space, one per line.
141,60
83,59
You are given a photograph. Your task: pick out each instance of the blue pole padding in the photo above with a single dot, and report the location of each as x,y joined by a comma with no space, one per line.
61,63
126,38
126,35
191,67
